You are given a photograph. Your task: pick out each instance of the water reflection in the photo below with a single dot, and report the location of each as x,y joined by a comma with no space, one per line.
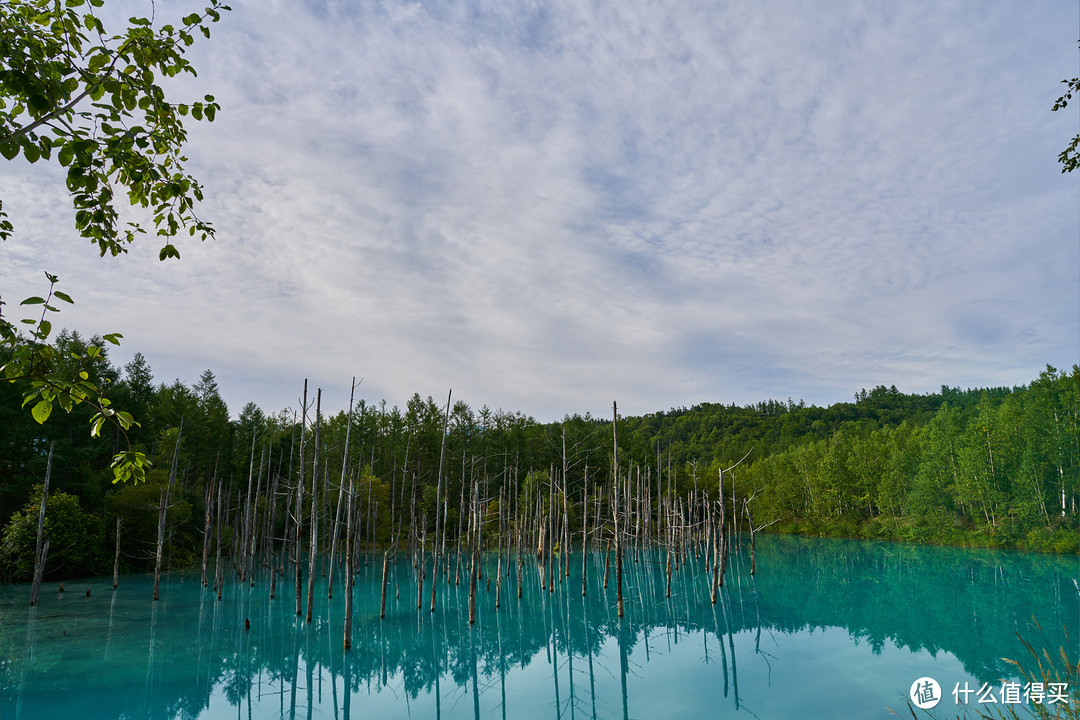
855,619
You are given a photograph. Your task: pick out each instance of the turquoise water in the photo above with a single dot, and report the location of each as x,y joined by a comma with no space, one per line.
825,629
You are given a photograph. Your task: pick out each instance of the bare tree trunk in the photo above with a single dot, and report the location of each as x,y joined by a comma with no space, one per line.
116,559
349,570
420,570
298,509
313,553
584,528
41,547
461,517
616,509
750,521
566,511
385,578
550,527
498,570
246,528
206,533
438,496
219,578
162,508
518,532
341,490
474,532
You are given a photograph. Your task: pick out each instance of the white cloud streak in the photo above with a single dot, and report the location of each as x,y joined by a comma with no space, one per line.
548,206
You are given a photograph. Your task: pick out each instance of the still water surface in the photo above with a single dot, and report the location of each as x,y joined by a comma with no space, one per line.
824,629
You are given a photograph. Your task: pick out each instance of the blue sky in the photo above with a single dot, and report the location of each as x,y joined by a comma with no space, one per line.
548,206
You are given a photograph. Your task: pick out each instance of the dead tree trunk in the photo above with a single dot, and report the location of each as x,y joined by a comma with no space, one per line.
584,528
314,507
298,510
219,577
116,559
349,570
438,495
341,490
163,507
616,509
41,546
206,531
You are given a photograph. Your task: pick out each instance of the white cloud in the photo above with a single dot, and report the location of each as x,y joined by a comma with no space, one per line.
548,206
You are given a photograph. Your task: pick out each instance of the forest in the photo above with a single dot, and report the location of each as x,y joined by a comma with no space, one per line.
990,467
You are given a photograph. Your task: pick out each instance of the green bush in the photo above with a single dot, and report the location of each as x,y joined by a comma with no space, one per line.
74,540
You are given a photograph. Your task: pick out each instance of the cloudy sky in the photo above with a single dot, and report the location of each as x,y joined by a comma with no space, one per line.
547,206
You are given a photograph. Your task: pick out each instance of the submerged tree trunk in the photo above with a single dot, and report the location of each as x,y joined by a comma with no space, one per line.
349,567
341,490
219,577
438,494
116,558
314,507
163,507
206,533
41,548
584,528
298,510
616,509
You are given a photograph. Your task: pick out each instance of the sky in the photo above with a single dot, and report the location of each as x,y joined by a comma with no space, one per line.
551,206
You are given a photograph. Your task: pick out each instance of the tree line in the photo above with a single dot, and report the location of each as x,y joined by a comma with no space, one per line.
995,467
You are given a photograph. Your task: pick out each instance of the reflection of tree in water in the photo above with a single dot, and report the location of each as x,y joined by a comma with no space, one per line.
967,603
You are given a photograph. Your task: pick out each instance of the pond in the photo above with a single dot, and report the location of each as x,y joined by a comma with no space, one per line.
823,629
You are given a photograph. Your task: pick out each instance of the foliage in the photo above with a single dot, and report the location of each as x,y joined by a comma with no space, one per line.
996,467
94,97
1002,471
74,539
39,366
1070,156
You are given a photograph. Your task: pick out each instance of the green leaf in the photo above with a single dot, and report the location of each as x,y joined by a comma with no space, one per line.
63,296
113,338
9,150
33,301
31,153
42,411
67,152
44,328
97,62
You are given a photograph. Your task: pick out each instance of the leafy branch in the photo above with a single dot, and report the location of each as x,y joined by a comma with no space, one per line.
1070,156
54,57
33,361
